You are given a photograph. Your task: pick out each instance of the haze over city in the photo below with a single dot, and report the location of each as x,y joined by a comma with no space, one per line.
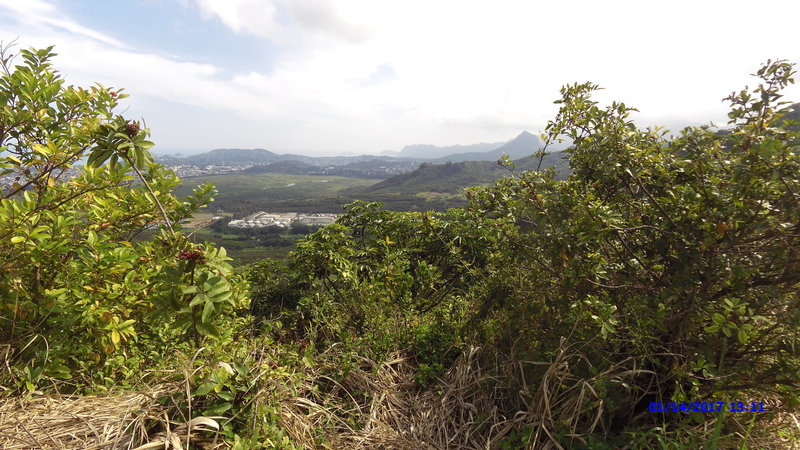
363,76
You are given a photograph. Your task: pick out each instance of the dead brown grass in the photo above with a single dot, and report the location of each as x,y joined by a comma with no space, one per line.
481,403
86,422
120,421
472,407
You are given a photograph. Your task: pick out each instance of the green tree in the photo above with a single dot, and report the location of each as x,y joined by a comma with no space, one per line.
78,294
662,269
675,256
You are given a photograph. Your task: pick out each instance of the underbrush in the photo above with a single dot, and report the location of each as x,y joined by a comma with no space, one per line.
302,398
662,274
274,390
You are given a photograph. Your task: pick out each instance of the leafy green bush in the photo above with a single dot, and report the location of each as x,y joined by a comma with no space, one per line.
381,281
79,299
678,255
663,269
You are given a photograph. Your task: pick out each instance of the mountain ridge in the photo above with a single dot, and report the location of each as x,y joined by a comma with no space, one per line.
522,145
429,151
453,176
525,144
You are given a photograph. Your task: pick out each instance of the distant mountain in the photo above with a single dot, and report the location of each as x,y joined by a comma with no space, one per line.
426,151
362,166
523,145
452,177
223,156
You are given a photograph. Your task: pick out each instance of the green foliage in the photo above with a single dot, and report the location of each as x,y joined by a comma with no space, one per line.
381,280
78,298
678,252
244,381
667,266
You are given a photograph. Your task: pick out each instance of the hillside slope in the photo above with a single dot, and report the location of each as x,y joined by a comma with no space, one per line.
452,177
526,144
427,151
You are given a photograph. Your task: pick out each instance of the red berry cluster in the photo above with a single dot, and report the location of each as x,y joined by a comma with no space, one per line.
132,129
192,255
114,94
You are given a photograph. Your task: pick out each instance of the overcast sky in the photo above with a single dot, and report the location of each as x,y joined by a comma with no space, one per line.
364,76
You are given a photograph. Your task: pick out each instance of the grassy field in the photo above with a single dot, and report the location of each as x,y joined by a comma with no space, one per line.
241,195
276,192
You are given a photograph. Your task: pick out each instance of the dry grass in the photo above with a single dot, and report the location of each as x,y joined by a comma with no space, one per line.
482,404
96,422
472,407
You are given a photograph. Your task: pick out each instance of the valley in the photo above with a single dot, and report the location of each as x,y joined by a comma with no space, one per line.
419,178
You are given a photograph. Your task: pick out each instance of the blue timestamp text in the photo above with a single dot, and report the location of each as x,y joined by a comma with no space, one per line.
707,407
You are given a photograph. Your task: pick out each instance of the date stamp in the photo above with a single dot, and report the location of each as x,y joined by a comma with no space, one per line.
707,407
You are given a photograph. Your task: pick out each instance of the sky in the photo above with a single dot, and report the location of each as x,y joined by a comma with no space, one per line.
336,77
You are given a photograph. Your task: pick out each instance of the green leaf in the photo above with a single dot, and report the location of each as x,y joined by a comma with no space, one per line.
226,395
198,299
189,290
240,369
219,288
727,332
208,310
204,389
217,410
207,329
743,336
41,149
221,297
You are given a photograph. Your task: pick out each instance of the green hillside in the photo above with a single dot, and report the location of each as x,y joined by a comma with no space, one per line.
793,115
453,177
430,187
448,177
277,192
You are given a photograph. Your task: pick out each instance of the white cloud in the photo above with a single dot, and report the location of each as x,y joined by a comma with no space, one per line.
281,20
38,14
367,75
503,62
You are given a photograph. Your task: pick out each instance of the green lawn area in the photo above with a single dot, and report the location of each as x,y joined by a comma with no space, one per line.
276,192
244,194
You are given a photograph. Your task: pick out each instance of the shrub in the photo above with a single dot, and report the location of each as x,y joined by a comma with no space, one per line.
677,255
79,299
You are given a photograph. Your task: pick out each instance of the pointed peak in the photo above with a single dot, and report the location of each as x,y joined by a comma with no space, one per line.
526,135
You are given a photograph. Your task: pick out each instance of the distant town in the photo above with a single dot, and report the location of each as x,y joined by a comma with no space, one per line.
185,171
189,170
263,219
379,172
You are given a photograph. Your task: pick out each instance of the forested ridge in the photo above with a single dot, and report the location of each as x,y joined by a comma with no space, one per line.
648,299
